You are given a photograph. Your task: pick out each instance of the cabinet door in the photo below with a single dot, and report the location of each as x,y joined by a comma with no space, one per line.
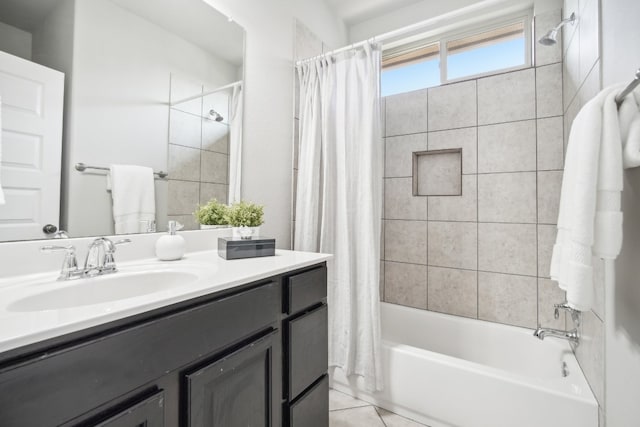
234,391
148,413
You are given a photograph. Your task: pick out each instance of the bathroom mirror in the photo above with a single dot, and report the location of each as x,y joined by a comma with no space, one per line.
152,83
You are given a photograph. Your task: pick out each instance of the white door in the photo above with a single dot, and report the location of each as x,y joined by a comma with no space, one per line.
31,117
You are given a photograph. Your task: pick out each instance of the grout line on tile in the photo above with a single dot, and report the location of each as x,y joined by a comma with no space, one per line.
535,82
428,131
477,205
375,408
427,218
482,173
352,408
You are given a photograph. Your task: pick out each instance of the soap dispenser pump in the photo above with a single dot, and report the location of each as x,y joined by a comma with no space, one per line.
171,246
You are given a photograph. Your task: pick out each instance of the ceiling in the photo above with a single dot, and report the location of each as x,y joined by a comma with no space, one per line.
193,20
356,11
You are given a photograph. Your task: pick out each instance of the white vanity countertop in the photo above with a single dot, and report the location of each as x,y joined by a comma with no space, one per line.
19,328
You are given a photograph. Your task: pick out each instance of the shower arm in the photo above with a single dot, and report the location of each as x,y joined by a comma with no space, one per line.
570,20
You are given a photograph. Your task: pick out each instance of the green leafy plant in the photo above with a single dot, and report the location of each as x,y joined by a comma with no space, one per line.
213,213
245,214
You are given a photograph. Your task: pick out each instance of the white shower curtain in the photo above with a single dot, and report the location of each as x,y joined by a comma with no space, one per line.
235,144
339,199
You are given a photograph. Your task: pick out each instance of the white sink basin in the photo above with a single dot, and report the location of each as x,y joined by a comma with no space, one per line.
103,289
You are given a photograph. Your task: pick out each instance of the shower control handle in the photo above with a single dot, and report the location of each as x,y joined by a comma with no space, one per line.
576,315
563,306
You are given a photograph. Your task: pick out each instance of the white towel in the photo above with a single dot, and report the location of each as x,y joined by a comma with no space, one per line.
590,220
630,129
134,200
2,200
632,146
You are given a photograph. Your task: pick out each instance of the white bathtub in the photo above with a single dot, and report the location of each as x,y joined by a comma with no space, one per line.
448,371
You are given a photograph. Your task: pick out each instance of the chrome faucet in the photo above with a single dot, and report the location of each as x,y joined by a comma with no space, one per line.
572,336
99,259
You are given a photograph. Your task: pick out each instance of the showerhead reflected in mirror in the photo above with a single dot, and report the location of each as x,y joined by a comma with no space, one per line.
215,115
146,75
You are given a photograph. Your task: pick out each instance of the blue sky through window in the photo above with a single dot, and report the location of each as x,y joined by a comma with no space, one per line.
498,56
411,77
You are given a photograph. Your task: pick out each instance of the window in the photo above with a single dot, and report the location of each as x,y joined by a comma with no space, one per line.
503,46
498,49
411,69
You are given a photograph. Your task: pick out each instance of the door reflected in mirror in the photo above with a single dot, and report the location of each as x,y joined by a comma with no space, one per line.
112,83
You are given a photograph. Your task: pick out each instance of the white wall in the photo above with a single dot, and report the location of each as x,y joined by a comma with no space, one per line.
268,108
15,41
620,60
119,104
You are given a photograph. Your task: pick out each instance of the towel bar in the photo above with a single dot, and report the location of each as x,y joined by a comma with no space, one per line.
630,87
82,167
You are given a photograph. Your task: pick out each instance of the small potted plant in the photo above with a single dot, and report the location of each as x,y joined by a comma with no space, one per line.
212,215
246,219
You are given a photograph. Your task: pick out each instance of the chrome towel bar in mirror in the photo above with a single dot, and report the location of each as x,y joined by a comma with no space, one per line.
82,167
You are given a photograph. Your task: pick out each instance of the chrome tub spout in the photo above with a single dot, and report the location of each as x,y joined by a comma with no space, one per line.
571,336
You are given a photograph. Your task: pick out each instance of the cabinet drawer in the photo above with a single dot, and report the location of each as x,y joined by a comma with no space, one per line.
147,413
307,350
305,289
74,379
312,409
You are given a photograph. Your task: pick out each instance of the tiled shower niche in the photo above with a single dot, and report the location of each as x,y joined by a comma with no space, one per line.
437,173
483,253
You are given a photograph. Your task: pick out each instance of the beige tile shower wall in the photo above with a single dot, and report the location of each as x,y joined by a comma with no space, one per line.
581,82
484,254
198,156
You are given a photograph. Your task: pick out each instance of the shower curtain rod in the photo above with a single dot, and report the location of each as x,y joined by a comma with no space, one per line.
380,38
471,10
230,85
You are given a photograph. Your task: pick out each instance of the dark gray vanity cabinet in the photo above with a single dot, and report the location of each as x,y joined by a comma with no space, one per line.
305,344
238,357
235,390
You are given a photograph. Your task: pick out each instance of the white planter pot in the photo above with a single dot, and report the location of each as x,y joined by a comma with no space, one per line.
211,227
245,232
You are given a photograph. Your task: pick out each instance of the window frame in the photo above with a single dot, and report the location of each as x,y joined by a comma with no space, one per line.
524,16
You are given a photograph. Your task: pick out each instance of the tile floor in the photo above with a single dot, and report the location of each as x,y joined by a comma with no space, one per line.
346,411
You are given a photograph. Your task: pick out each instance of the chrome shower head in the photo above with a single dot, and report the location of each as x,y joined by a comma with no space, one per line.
215,115
550,38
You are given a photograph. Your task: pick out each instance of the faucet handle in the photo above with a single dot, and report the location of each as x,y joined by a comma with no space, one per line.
563,306
109,260
70,263
122,242
54,248
575,314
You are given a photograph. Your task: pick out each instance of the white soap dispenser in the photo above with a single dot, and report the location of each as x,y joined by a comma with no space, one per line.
171,246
